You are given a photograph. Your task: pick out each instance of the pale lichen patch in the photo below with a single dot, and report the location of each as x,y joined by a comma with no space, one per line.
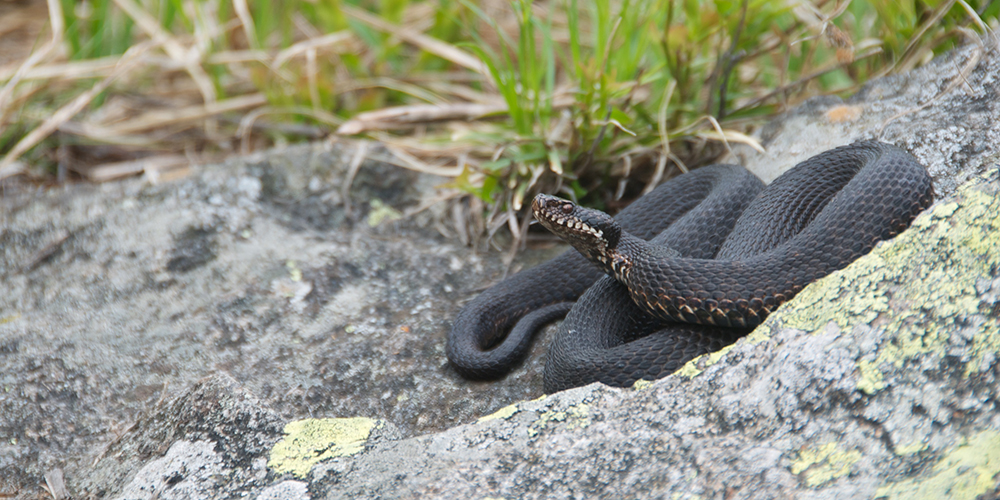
313,440
501,414
824,463
382,213
641,385
697,365
915,289
945,210
685,496
959,249
985,348
916,285
574,417
849,296
964,473
909,449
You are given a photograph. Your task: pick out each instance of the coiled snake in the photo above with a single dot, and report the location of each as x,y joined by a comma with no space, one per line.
725,259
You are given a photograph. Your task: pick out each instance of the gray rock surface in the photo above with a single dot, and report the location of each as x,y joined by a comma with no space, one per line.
220,336
120,296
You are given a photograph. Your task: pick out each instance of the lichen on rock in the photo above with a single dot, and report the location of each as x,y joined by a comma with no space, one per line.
311,441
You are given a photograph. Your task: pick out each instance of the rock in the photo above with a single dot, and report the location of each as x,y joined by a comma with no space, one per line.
117,297
879,381
212,441
241,333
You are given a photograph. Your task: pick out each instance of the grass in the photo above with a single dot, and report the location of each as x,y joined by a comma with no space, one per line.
591,98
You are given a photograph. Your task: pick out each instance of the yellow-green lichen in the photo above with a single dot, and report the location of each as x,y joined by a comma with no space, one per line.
985,344
945,210
909,449
697,365
824,463
914,287
871,379
574,417
685,496
381,213
310,441
503,413
852,295
641,385
762,333
964,473
293,270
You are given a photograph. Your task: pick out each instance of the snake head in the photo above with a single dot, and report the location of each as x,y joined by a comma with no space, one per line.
594,233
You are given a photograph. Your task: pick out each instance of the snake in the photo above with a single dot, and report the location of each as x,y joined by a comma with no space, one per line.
701,283
492,333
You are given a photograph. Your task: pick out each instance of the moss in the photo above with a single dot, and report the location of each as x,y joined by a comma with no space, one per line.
310,441
964,473
824,463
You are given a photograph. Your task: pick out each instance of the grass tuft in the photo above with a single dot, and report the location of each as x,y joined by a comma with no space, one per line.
591,98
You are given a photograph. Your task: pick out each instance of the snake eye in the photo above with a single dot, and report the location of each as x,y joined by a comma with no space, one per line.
567,208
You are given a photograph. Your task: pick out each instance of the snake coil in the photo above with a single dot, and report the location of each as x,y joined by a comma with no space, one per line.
713,273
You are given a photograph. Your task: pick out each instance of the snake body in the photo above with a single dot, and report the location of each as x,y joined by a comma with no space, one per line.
813,220
607,338
493,332
668,300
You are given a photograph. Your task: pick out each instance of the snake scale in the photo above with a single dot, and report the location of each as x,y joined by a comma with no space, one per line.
718,263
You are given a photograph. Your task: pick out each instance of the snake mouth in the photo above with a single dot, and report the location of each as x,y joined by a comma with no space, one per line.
563,217
593,233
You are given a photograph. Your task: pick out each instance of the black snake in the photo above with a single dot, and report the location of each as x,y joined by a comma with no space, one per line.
706,280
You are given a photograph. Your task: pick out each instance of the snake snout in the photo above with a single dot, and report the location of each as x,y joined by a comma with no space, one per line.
551,207
592,232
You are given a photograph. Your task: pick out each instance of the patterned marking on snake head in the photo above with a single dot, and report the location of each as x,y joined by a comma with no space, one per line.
592,232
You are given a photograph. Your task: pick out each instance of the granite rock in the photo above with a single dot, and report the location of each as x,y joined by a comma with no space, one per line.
260,329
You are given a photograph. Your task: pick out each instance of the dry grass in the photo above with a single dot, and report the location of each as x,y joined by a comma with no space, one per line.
505,99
